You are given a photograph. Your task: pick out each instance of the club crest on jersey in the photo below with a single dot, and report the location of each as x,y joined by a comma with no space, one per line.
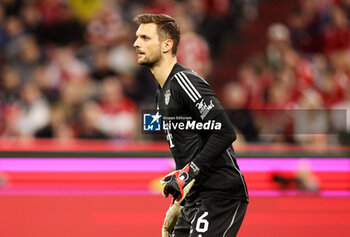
167,97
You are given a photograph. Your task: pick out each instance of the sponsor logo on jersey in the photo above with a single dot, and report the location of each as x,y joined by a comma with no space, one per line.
204,108
167,97
152,121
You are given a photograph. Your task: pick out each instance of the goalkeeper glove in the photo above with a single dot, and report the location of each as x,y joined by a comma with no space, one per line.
171,218
179,182
173,213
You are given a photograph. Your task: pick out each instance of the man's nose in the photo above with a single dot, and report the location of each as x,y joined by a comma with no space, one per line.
136,43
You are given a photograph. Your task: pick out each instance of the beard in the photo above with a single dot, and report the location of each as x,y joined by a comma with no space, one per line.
152,60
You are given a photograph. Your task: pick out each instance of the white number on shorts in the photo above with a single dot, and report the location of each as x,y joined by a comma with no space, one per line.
202,224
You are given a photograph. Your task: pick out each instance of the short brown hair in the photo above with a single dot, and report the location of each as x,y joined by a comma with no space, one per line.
166,27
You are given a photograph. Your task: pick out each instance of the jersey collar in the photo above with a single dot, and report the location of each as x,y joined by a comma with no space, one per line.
177,68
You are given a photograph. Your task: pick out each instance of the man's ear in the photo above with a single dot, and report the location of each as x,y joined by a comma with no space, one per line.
167,45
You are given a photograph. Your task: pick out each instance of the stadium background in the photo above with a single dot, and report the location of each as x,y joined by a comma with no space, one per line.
74,160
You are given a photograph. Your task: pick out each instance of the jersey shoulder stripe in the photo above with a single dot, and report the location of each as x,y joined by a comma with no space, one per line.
187,86
180,81
190,84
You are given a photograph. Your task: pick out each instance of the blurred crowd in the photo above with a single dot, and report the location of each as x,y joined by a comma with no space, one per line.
299,90
68,68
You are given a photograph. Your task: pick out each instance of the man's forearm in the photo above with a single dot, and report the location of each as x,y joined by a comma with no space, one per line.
218,142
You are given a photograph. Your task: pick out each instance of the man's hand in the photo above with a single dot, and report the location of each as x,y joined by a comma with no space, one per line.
179,182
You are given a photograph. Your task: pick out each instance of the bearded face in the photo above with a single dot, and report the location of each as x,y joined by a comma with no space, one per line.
148,45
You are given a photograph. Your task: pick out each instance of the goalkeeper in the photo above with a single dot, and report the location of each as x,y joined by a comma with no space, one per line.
209,193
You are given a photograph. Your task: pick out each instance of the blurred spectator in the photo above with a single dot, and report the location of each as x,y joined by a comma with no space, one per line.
10,126
9,86
199,58
310,122
279,41
106,26
28,59
250,79
278,97
218,22
122,58
330,90
288,83
34,112
31,19
50,11
302,68
65,67
88,120
250,9
117,116
339,118
47,88
58,127
235,100
340,64
274,122
321,66
337,35
16,35
101,68
307,25
72,96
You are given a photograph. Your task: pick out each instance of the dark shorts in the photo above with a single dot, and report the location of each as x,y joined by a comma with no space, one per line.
210,217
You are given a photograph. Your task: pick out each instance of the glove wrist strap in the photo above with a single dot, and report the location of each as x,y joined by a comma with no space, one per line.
193,170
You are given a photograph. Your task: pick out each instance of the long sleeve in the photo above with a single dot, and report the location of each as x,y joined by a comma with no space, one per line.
196,96
217,143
